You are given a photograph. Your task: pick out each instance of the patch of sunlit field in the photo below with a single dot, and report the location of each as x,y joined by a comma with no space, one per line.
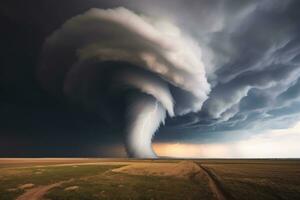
257,179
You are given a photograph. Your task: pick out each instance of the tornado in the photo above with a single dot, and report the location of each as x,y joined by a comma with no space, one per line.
110,55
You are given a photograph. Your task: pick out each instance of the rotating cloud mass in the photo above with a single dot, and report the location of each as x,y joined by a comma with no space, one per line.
120,50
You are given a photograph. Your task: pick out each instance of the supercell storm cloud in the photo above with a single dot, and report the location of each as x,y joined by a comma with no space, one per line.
178,68
136,53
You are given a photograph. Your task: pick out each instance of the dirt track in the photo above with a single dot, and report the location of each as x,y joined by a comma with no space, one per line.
213,184
37,193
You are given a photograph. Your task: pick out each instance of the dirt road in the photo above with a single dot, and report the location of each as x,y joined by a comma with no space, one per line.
213,184
37,193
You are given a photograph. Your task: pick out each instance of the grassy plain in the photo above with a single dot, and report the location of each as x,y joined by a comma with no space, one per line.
258,179
92,179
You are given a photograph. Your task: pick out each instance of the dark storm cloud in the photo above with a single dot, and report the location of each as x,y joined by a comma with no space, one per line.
120,50
255,56
250,51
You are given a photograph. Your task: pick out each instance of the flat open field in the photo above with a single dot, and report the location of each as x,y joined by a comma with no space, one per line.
89,179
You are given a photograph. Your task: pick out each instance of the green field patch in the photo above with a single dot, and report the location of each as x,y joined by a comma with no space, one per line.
10,184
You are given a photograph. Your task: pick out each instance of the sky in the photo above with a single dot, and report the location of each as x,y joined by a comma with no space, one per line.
140,78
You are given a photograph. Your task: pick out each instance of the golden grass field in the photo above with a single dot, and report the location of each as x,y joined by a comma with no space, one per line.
89,179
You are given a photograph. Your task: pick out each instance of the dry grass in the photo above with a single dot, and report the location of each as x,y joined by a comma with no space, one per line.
268,180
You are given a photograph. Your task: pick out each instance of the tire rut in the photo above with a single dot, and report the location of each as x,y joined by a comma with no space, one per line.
214,184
